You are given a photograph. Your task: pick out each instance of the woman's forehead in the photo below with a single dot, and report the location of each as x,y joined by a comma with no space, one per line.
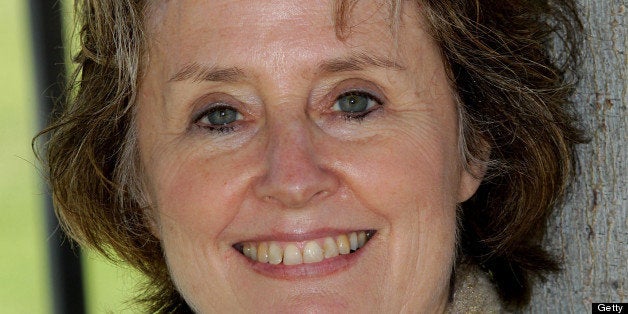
235,18
230,33
278,10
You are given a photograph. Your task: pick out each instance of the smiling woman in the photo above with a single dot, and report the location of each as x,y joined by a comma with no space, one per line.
282,155
341,156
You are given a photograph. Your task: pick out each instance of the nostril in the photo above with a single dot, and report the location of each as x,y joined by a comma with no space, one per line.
320,194
296,195
295,173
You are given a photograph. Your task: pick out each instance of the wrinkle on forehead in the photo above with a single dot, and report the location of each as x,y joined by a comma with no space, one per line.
278,11
340,13
183,34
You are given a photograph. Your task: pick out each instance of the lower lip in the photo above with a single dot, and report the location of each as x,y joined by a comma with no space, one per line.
324,268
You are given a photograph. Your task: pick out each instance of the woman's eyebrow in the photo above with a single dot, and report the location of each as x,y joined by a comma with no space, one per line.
198,72
355,62
359,62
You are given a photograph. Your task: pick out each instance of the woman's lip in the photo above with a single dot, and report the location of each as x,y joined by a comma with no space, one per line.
299,236
312,270
315,270
314,257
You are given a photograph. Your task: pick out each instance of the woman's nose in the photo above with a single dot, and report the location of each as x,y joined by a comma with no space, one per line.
295,174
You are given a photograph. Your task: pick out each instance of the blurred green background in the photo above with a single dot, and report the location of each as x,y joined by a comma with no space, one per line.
24,283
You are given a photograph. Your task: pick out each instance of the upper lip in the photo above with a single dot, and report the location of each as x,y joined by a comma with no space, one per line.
299,236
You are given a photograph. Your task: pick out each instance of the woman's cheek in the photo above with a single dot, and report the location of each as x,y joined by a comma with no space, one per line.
193,190
411,168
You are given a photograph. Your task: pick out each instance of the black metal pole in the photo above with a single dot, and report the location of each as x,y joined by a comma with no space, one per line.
64,262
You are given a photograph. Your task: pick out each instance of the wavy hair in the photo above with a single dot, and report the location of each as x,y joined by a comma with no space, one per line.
512,63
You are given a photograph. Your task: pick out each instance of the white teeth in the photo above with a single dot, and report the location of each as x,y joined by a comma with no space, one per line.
353,241
262,252
253,251
330,248
275,254
291,254
343,244
246,250
312,252
361,239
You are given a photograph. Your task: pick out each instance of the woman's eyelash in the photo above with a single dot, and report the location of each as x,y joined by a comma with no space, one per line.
353,105
220,129
356,105
219,119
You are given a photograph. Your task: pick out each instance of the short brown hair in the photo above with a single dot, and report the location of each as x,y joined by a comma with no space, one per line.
512,64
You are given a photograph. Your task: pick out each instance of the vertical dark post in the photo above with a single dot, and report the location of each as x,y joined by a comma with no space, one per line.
65,264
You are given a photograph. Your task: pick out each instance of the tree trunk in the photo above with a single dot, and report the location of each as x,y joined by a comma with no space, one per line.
590,232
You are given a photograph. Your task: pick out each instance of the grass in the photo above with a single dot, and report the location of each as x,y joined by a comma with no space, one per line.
24,284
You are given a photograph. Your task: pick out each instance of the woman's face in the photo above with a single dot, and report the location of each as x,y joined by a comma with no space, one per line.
262,133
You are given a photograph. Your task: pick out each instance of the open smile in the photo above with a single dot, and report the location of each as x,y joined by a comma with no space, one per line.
304,252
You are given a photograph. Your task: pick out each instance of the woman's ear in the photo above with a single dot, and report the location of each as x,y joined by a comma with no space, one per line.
150,221
143,197
472,173
469,182
149,212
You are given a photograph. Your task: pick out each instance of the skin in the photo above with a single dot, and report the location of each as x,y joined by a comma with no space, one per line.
293,167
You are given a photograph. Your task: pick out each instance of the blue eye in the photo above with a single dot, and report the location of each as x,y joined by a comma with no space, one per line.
219,118
355,104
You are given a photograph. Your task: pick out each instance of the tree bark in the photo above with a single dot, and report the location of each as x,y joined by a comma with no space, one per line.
590,231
